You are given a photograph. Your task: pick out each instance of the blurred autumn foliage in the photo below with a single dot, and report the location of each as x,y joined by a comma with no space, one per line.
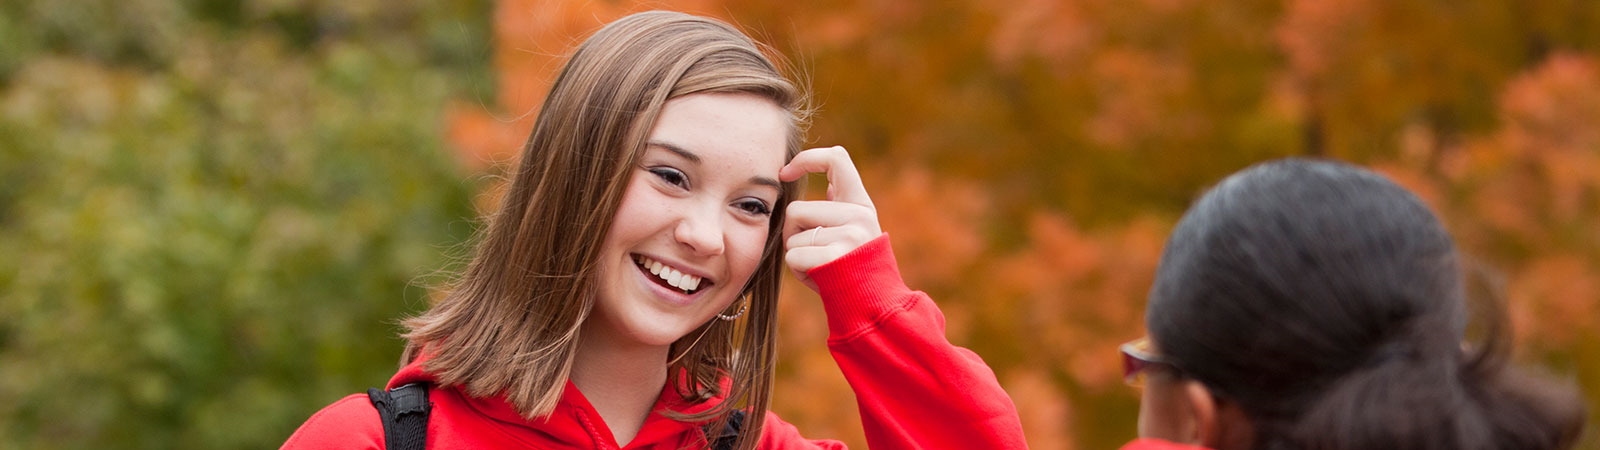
211,210
1029,157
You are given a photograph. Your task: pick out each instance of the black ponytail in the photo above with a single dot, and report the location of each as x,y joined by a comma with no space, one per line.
1328,303
1469,404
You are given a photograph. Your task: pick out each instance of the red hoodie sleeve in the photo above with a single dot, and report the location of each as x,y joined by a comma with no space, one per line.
914,388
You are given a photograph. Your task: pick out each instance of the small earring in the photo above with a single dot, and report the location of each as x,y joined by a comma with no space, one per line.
743,305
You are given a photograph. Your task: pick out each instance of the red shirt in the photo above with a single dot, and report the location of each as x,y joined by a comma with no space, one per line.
914,389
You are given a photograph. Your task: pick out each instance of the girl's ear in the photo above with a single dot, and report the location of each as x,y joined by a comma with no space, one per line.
1202,412
1176,409
1218,423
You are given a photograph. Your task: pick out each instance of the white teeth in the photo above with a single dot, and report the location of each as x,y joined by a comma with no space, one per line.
673,277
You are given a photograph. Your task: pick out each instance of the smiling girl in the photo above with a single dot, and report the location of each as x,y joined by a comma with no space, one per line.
624,294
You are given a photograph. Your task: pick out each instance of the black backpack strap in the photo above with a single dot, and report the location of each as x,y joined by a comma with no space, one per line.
404,411
730,432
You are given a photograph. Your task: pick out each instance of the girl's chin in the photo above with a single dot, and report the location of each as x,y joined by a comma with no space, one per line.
662,336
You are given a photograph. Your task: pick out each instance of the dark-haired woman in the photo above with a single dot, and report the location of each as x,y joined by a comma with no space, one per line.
1306,304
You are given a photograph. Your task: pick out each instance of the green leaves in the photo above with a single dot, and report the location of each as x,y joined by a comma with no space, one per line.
209,239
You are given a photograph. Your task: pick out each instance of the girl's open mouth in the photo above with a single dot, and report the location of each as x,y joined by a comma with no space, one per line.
671,278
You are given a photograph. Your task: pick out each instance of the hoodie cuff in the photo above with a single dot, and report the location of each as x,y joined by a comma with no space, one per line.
861,288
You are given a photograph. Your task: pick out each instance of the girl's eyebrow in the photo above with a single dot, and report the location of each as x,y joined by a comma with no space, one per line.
686,154
693,158
764,181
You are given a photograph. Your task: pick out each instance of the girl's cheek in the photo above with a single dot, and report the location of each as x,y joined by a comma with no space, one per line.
753,240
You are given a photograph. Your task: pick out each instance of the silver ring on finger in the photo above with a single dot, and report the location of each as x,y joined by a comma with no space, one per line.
814,233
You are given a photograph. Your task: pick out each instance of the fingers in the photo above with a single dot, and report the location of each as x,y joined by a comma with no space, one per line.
805,215
803,259
805,238
851,237
819,232
844,182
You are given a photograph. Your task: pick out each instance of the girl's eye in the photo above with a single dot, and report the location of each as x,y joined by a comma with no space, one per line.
755,207
671,176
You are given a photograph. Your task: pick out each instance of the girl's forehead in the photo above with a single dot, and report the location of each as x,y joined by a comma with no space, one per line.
724,129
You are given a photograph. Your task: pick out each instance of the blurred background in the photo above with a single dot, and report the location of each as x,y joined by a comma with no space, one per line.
212,212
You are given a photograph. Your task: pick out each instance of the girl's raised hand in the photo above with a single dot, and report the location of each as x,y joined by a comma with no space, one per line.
819,231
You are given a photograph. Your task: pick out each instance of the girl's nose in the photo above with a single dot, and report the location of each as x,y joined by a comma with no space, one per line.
701,230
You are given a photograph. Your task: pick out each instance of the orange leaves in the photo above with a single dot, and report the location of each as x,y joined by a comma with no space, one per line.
481,140
1545,193
1554,106
1550,116
1511,207
836,30
935,222
1416,182
1078,294
1540,171
1057,253
1136,92
1312,28
1044,409
1529,194
1554,299
1055,30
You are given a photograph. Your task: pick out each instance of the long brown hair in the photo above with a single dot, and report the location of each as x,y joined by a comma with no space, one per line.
510,325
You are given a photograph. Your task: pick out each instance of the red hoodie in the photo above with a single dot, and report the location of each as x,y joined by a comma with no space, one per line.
914,389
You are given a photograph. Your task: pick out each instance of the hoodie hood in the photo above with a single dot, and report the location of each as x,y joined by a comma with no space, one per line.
573,423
